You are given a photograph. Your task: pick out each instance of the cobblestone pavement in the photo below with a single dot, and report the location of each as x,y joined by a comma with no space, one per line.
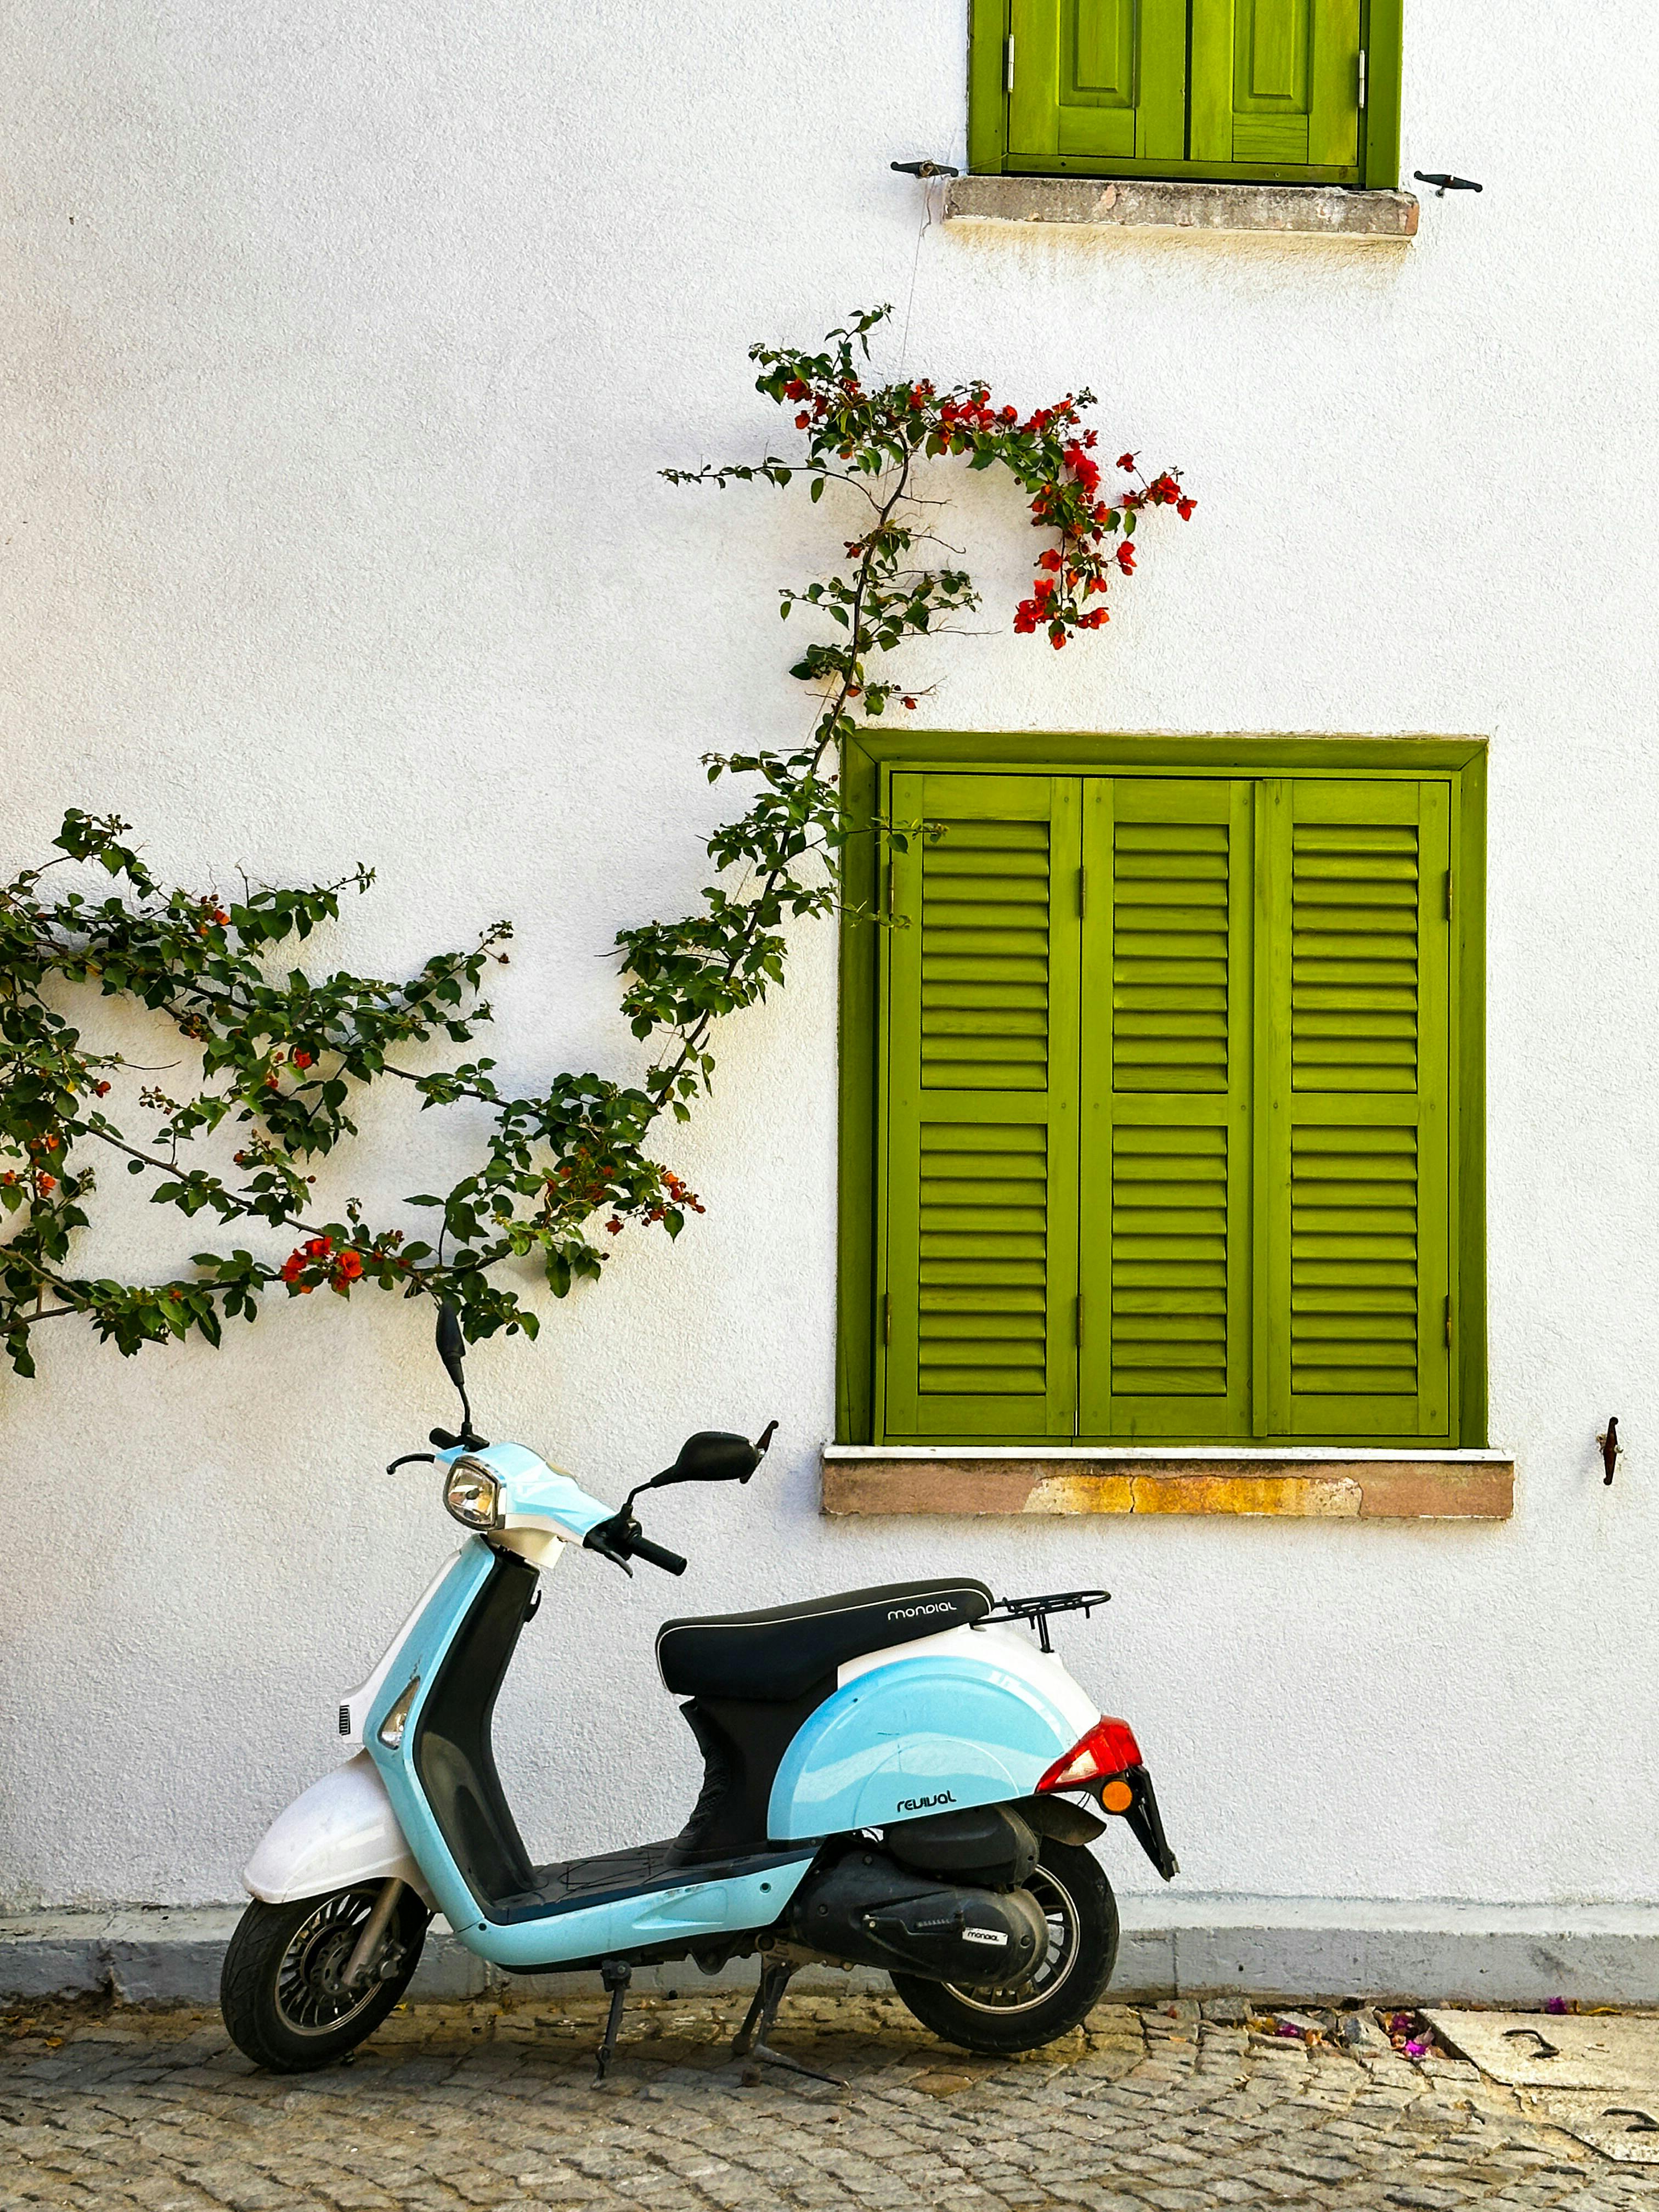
1154,2110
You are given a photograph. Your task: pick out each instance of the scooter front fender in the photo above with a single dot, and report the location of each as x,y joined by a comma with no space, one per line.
340,1832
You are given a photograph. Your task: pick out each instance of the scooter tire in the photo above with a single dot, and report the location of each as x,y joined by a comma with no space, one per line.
273,2014
1075,1899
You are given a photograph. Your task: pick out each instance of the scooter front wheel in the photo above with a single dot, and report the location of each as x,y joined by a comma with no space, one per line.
281,1989
1076,1900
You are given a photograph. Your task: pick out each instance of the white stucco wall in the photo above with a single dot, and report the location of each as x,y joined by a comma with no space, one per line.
338,356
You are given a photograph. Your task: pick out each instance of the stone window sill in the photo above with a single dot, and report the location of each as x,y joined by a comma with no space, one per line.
1148,203
1297,1483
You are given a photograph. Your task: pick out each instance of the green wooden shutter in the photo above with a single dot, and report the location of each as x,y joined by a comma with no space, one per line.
1355,1206
1275,83
1165,1227
1098,79
979,1198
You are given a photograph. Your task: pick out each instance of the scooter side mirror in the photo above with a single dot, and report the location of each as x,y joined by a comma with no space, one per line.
452,1350
451,1346
715,1455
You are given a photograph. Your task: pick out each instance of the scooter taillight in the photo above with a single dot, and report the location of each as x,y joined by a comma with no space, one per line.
1109,1747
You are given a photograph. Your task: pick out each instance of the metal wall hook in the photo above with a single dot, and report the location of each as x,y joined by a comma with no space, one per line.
1446,181
1610,1448
925,169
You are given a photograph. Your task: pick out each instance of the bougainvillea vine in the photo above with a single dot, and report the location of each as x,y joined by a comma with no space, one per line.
563,1172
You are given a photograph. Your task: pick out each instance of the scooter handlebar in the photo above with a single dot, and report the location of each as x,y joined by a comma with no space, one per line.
641,1547
619,1540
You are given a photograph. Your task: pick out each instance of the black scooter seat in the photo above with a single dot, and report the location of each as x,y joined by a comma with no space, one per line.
780,1653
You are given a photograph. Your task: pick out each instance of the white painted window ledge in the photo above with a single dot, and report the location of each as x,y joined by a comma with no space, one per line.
1183,205
1297,1482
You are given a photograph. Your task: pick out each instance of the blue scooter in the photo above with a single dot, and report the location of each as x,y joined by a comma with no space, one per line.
895,1777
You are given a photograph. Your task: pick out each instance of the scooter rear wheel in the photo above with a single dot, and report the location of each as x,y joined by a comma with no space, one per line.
279,1988
1076,1899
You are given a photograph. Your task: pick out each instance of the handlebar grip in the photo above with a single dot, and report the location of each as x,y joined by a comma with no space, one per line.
641,1547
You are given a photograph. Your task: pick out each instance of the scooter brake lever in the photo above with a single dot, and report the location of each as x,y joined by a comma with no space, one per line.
597,1539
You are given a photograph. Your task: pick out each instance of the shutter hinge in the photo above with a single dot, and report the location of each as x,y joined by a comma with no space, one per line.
887,1317
1448,894
1008,64
1362,77
1449,1318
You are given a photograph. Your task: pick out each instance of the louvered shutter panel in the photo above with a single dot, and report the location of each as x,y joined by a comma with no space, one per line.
1353,1159
1275,83
979,1200
1164,1256
1099,80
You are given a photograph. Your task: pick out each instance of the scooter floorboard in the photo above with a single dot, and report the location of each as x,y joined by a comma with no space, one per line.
570,1884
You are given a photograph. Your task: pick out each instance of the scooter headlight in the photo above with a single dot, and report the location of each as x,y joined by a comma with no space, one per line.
472,1496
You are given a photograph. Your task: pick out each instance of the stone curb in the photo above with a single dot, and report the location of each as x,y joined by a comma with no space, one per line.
1307,1948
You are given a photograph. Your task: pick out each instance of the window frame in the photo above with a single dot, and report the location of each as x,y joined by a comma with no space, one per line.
870,761
987,116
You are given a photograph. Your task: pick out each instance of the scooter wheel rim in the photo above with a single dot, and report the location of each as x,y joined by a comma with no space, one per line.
304,2004
1059,1909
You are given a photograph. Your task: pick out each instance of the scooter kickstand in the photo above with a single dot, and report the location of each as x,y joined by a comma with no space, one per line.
615,1973
753,2039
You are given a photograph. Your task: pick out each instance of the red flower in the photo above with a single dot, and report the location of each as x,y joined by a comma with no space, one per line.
101,1090
1125,460
911,704
1050,560
795,389
1184,508
802,420
301,1058
614,1227
47,1183
1125,557
319,1248
350,1264
291,1267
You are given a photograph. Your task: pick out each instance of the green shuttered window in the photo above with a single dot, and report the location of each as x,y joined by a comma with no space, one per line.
1298,90
1167,1143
